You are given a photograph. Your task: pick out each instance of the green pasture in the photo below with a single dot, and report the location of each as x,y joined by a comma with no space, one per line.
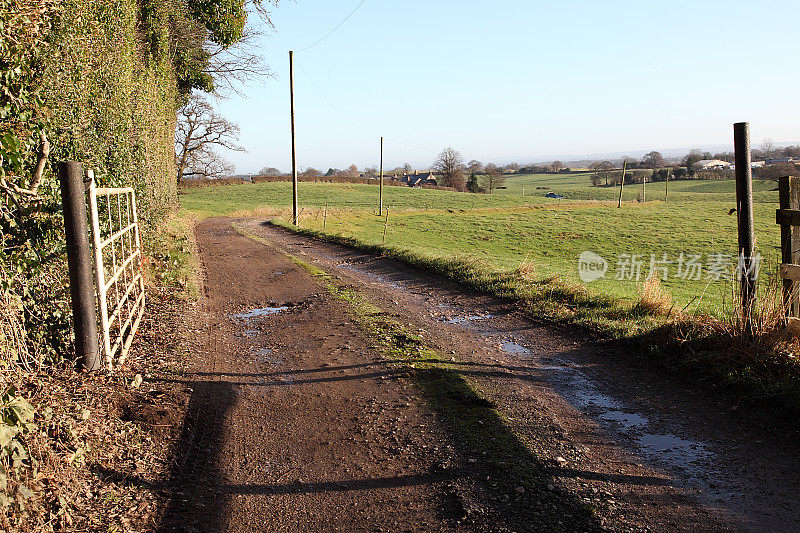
505,230
577,186
229,199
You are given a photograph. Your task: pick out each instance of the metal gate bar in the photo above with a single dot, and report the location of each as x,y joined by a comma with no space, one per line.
118,267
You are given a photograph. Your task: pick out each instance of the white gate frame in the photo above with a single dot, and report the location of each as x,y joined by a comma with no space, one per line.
126,276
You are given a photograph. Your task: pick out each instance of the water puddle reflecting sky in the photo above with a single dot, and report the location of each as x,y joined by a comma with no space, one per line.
258,313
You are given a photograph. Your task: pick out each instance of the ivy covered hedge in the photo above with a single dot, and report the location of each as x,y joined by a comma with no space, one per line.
97,81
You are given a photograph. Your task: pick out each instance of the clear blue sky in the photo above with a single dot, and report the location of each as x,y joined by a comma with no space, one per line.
517,80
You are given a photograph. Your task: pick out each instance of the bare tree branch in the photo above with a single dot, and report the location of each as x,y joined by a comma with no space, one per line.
450,163
236,65
199,132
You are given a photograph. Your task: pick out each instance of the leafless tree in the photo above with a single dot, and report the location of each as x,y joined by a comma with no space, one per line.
492,179
199,132
602,170
768,147
653,160
233,67
269,171
351,172
407,168
694,155
311,172
451,165
555,166
475,166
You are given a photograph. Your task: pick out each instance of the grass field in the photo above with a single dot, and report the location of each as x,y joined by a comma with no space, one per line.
506,230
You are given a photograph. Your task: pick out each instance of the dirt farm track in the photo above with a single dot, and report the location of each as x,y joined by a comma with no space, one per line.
299,420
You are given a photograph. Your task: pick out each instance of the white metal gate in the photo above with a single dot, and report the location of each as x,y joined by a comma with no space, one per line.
118,268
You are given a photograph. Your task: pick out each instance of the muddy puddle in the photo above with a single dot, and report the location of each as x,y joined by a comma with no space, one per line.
353,267
258,313
693,459
514,348
467,319
263,356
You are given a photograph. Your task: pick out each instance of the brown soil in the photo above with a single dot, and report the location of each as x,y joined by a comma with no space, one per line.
296,421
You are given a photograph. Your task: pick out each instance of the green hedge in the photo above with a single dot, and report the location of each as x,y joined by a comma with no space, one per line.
99,79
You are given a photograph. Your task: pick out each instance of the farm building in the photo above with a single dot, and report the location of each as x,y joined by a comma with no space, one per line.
418,180
782,161
710,164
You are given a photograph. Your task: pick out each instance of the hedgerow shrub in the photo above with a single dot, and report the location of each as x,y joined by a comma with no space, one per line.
98,79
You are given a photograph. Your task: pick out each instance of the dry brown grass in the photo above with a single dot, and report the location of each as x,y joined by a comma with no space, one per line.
653,299
766,326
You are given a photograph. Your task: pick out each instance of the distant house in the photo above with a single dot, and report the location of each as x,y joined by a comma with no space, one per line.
418,180
782,161
711,164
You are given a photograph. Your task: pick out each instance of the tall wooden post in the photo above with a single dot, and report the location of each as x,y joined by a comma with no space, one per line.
744,215
79,262
644,188
789,200
622,182
666,187
294,158
380,186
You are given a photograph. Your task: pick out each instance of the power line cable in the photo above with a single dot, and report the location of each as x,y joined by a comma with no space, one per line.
348,119
334,28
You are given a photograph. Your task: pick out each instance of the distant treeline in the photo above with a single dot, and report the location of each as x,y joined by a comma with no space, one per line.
191,184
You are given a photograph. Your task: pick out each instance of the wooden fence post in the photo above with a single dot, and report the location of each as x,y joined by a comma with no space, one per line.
789,198
79,261
325,217
385,225
744,215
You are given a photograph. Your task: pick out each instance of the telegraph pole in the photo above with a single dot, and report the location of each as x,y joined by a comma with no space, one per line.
380,187
294,158
622,182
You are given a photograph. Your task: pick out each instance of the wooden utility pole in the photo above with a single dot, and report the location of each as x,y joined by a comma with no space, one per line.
294,158
380,186
744,215
622,182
